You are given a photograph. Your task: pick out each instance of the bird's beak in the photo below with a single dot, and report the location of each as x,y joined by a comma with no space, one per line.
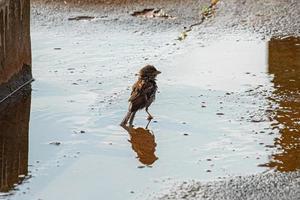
158,72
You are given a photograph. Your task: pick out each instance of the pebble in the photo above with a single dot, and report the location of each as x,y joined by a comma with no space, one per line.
55,143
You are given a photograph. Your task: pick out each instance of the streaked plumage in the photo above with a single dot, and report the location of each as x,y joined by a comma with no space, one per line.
143,93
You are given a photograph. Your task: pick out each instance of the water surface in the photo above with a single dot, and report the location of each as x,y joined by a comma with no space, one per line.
228,108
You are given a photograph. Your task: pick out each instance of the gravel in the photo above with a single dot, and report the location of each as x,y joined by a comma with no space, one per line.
273,186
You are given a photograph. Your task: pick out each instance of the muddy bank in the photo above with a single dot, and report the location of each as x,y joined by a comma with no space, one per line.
272,186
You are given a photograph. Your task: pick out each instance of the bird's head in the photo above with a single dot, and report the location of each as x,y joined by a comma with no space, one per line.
148,72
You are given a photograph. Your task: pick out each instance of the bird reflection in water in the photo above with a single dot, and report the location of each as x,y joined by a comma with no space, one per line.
143,143
284,64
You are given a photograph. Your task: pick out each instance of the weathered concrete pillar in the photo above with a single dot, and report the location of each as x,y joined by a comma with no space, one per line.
15,48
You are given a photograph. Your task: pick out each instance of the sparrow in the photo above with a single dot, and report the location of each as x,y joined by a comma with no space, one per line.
143,93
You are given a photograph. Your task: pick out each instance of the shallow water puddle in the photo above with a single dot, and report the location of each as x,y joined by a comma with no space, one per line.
222,110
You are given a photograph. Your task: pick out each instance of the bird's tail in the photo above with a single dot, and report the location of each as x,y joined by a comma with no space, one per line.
126,118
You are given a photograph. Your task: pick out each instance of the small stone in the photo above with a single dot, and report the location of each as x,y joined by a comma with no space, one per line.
55,143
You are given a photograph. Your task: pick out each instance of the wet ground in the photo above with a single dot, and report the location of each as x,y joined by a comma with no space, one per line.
228,105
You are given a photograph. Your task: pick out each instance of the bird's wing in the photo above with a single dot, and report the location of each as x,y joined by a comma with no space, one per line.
139,89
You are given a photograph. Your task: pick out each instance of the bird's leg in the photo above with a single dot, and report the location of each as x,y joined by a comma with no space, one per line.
131,118
126,118
148,124
149,115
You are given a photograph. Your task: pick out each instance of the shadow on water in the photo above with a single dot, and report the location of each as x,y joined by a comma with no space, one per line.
142,143
14,124
284,64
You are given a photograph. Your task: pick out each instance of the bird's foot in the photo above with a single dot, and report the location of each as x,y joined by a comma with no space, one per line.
123,123
149,117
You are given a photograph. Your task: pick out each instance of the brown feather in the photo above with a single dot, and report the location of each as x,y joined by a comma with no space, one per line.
143,92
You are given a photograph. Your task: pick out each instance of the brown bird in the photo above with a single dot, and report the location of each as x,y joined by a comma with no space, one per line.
143,93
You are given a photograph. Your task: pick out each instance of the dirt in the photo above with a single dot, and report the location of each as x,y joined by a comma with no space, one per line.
220,111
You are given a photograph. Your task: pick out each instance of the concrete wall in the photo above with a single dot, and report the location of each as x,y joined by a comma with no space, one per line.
15,49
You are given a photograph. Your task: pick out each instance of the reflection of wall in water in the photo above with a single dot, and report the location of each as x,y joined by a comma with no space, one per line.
284,64
14,122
